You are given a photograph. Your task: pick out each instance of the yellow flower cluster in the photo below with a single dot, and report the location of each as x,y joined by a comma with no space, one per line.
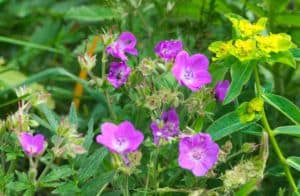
249,43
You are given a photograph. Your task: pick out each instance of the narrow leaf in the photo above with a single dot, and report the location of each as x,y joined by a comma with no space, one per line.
50,116
240,74
288,130
285,106
294,162
226,125
73,115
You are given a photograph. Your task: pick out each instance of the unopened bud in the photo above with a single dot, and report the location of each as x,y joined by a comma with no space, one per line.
86,62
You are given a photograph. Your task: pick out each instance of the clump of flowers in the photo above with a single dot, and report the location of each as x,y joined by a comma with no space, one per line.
166,127
168,49
248,111
191,71
198,153
32,145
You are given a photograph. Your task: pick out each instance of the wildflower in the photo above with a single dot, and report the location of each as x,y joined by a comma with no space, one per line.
256,104
125,44
118,73
191,71
32,145
168,49
221,49
221,90
167,127
86,62
244,49
274,42
198,153
121,139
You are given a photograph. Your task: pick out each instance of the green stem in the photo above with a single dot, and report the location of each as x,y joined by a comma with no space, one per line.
109,105
126,191
271,135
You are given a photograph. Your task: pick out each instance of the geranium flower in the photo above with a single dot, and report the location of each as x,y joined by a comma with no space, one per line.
221,90
122,138
168,49
166,127
118,73
124,44
191,71
198,153
32,145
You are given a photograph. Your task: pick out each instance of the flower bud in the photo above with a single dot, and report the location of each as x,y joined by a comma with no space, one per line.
86,62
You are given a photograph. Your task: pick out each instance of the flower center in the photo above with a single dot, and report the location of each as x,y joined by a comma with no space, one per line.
197,155
188,74
31,149
120,144
119,75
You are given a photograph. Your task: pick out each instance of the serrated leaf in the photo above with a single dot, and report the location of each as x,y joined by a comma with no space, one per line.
226,125
91,165
294,162
285,106
50,116
97,183
57,174
240,74
90,13
68,188
288,130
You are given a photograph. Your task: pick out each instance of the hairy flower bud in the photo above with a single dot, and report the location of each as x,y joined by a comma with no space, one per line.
86,62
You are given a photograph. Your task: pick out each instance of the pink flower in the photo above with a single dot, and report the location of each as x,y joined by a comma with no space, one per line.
32,145
221,90
167,127
118,73
122,138
125,44
198,153
168,49
191,71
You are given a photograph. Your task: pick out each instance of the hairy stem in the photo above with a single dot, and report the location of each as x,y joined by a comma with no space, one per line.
273,140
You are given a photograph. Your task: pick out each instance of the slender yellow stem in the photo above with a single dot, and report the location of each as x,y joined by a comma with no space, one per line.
273,140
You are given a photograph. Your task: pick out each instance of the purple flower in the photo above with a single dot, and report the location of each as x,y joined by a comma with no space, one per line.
191,71
125,44
168,49
198,153
32,145
167,127
221,90
118,73
122,138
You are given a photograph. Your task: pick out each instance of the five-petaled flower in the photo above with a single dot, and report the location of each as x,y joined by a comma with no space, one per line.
118,73
121,139
168,49
198,153
166,127
191,71
221,89
32,145
124,44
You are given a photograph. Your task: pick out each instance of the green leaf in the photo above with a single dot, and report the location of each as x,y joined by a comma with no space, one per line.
240,74
288,130
247,188
50,116
69,188
283,105
91,165
73,115
296,53
294,162
93,186
90,135
226,125
57,173
90,13
285,57
288,19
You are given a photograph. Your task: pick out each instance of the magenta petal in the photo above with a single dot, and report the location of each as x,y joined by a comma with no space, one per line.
32,145
199,169
222,89
198,62
185,162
